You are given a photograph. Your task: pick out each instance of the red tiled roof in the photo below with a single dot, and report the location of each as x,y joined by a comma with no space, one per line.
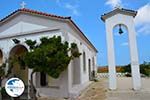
41,13
48,15
34,12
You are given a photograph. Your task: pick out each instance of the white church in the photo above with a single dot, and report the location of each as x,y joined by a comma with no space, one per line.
25,24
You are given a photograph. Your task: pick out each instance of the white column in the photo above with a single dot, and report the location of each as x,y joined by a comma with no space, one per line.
5,59
111,58
70,76
134,58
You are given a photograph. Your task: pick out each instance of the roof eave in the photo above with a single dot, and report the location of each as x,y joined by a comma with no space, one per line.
72,22
24,10
118,10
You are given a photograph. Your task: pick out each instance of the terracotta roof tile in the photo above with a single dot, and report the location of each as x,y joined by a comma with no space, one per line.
41,13
35,12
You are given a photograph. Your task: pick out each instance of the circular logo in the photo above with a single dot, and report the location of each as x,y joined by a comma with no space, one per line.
14,87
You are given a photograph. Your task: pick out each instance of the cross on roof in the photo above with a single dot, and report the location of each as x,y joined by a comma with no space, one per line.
118,6
23,4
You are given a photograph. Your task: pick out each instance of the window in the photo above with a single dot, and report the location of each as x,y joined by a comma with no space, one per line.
90,74
1,57
84,62
93,61
43,79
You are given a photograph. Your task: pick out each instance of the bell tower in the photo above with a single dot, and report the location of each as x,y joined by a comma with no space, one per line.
122,17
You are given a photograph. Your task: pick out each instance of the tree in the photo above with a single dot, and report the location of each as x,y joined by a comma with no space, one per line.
127,68
2,72
51,57
2,75
145,68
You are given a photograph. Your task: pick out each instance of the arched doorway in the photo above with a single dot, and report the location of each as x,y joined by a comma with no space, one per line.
76,70
43,79
19,71
1,57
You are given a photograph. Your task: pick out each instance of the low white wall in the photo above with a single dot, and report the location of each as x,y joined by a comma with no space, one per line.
106,75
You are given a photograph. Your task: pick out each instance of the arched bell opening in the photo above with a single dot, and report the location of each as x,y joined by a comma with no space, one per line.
120,29
122,54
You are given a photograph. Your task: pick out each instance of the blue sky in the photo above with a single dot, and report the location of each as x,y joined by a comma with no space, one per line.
87,13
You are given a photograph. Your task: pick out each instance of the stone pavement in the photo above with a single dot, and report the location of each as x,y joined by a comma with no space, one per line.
95,91
125,91
128,95
99,91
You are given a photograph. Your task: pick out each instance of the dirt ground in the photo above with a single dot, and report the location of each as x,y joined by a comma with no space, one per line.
96,91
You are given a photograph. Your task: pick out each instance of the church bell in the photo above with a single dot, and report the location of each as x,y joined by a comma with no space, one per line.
120,29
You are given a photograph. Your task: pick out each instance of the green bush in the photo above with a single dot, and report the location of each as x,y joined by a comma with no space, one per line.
3,91
144,68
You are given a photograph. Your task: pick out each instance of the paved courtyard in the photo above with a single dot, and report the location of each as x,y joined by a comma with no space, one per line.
125,92
99,91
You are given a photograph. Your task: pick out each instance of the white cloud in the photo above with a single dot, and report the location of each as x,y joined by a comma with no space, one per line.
145,29
114,3
57,1
73,9
143,15
124,44
142,20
